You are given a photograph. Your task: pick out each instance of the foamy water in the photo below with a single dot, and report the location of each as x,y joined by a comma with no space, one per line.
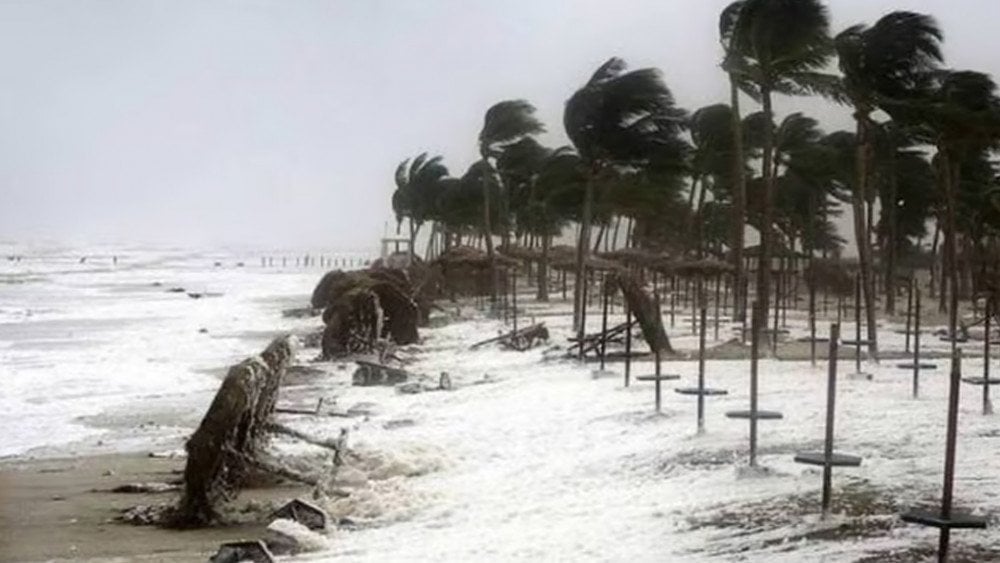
79,338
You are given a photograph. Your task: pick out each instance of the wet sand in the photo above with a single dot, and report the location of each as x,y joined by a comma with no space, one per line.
63,510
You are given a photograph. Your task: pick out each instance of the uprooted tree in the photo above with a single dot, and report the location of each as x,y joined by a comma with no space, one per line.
361,307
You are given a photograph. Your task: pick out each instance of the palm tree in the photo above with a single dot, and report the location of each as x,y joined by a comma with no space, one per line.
505,122
619,119
539,182
711,159
734,65
884,66
779,46
964,113
417,189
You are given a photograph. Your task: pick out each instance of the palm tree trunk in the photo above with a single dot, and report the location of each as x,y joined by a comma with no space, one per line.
488,234
582,251
543,269
699,222
951,174
891,243
858,200
739,203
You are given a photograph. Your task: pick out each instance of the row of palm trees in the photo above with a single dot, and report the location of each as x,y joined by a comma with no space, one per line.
691,182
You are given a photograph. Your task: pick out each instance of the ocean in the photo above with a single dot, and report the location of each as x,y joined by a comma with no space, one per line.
118,347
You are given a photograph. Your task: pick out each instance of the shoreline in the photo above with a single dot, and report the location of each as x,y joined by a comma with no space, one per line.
61,509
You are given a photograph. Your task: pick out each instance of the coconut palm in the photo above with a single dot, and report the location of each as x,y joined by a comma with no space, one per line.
964,114
619,119
417,189
711,160
884,67
779,46
505,123
735,66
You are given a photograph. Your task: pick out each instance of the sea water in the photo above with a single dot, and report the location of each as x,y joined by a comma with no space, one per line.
130,330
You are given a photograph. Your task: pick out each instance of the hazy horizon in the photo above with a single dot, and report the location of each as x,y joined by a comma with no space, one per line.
280,123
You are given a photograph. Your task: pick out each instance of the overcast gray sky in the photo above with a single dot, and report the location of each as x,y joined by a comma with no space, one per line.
281,122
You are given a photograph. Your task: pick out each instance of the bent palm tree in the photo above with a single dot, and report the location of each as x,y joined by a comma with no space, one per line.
417,190
884,66
780,46
505,122
616,119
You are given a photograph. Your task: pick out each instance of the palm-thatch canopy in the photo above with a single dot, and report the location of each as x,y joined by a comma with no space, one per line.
777,251
522,252
466,256
706,267
595,263
632,256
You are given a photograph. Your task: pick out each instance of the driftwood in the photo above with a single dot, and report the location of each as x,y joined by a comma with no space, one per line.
646,311
521,339
232,432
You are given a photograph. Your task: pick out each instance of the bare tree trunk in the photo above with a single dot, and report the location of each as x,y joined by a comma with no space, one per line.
618,224
951,174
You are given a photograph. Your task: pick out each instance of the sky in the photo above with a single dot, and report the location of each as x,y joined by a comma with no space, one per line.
280,123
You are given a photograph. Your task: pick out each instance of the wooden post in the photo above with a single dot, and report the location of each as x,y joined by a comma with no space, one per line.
916,342
857,324
909,312
831,399
564,285
949,451
987,409
701,370
718,289
513,299
628,341
812,323
673,299
754,352
656,354
604,323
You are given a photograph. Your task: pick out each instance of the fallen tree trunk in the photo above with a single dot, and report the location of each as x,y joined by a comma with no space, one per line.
646,311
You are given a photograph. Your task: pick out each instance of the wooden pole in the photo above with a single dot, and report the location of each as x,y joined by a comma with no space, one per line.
656,354
987,409
718,289
949,452
812,323
754,352
831,399
857,324
513,299
909,312
628,342
701,370
604,323
916,342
